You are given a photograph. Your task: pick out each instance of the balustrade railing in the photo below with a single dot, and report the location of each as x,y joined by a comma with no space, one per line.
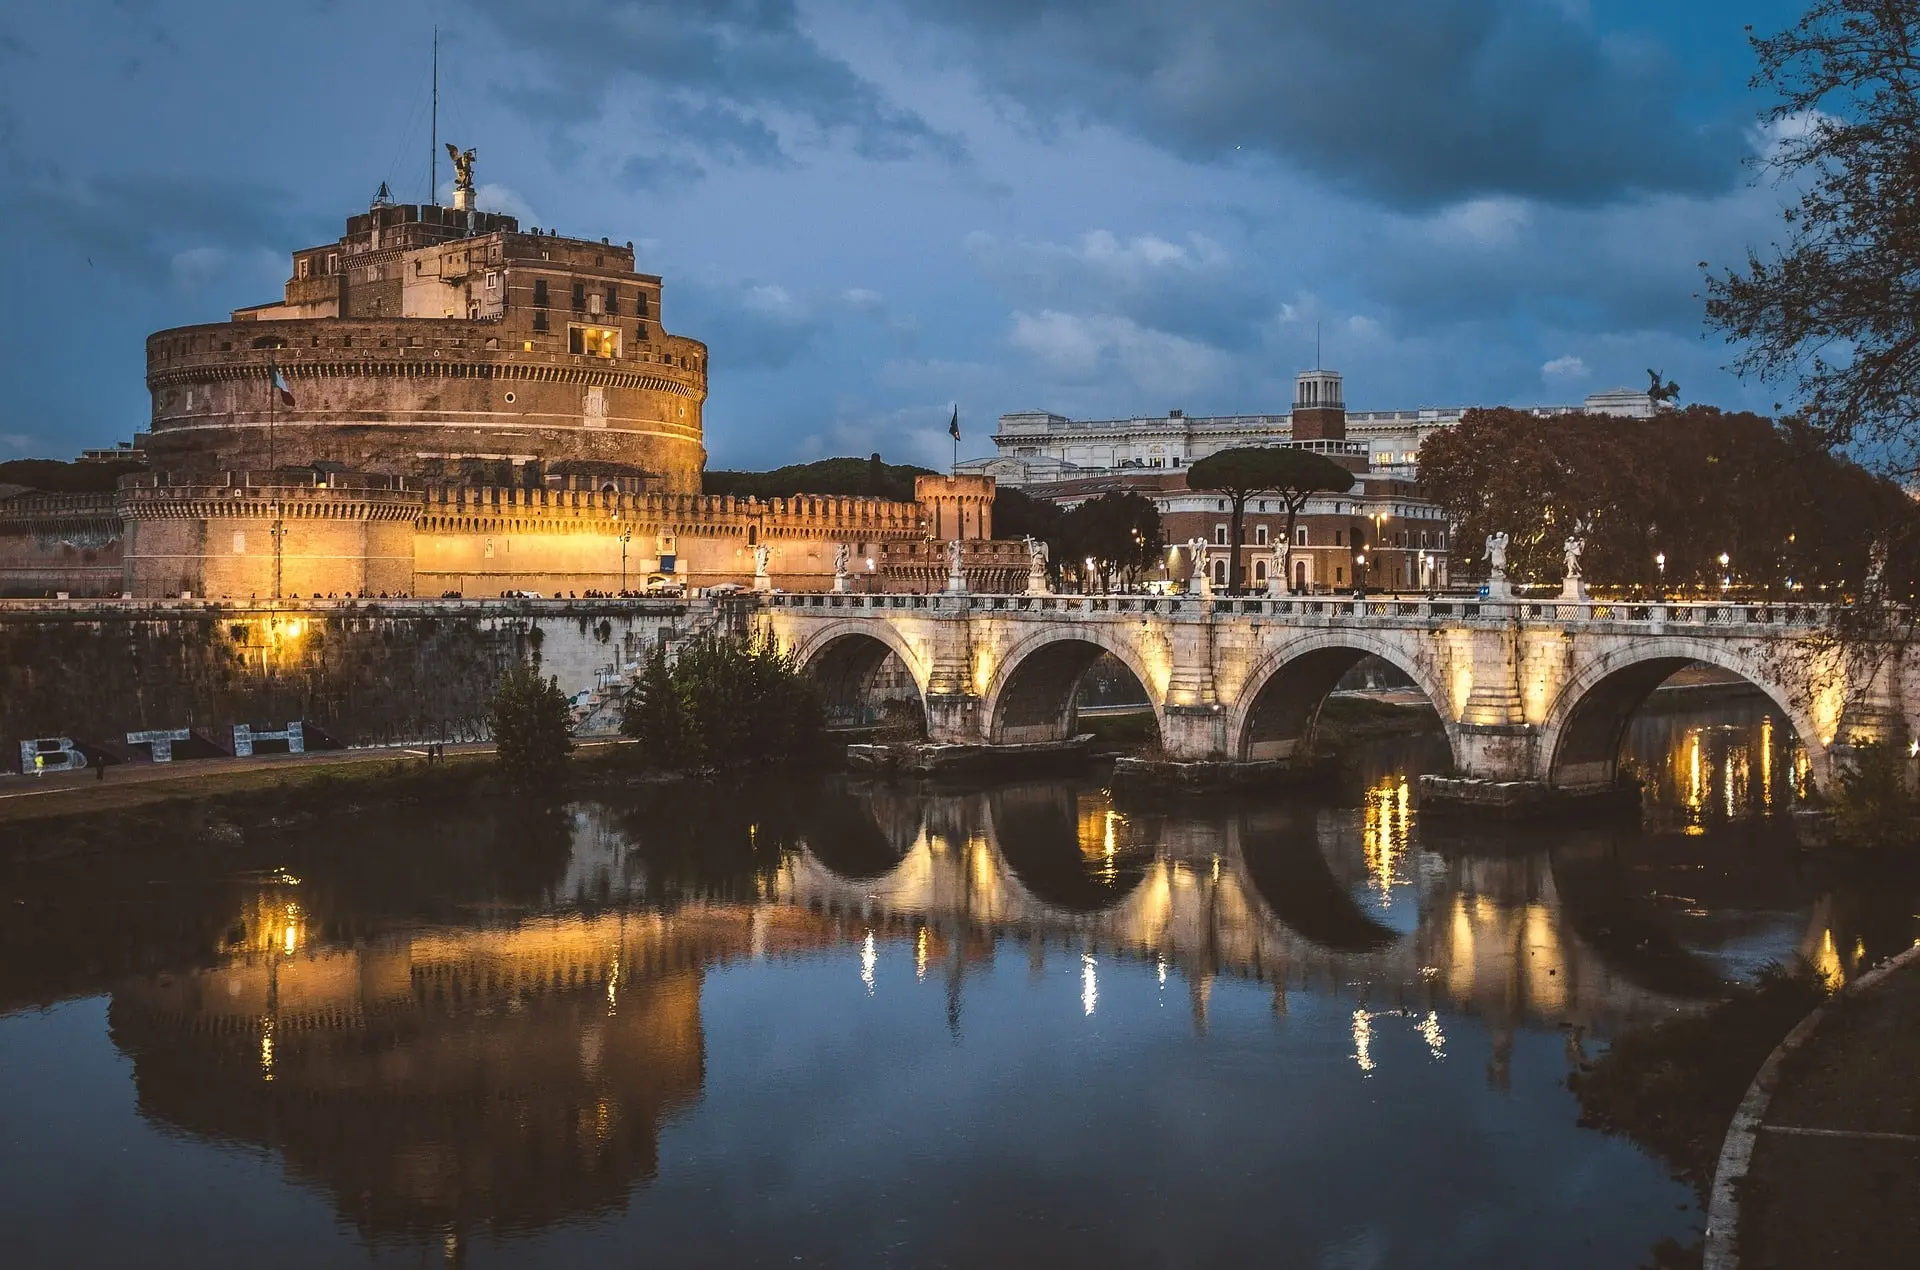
1652,614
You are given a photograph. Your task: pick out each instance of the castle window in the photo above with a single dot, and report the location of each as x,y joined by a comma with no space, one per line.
640,305
493,280
539,320
1260,535
1336,539
613,300
1219,535
302,266
593,341
333,262
579,296
1300,536
640,331
540,293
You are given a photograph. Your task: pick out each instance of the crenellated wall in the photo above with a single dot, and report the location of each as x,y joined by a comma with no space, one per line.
60,542
483,541
245,535
238,538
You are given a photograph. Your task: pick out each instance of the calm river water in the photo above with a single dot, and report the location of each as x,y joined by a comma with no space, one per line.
851,1025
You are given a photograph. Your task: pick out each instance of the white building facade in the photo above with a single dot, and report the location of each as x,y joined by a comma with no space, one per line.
1037,447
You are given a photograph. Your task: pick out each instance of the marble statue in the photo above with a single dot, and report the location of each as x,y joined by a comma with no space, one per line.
1497,555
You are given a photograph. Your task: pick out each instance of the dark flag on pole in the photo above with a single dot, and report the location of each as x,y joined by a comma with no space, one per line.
953,427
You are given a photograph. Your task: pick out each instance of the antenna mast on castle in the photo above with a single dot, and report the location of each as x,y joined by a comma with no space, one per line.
433,141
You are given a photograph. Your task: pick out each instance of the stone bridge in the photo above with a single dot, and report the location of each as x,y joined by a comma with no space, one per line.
1537,692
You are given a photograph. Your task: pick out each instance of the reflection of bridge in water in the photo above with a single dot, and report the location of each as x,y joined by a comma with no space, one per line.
1254,895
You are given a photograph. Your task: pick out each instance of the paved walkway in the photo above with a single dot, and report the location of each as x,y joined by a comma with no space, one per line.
1834,1179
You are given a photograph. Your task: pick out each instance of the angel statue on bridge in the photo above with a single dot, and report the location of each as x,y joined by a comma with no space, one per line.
1497,555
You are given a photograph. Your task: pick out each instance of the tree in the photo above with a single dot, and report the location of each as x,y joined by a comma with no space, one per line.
1017,514
1119,531
868,477
532,728
1292,475
1681,489
1846,131
722,702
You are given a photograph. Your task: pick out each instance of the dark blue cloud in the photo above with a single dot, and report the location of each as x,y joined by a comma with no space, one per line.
716,74
1414,103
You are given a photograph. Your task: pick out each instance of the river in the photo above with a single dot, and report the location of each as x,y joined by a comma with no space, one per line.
835,1024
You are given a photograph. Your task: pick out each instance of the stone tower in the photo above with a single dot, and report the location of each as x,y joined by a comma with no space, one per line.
1319,410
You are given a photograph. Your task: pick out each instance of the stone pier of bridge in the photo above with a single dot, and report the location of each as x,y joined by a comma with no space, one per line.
1530,692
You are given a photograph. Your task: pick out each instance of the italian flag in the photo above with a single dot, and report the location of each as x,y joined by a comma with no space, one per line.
280,385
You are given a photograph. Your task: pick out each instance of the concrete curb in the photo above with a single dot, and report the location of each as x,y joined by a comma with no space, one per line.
1736,1151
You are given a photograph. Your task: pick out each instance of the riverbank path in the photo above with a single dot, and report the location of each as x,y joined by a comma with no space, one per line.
130,784
1836,1163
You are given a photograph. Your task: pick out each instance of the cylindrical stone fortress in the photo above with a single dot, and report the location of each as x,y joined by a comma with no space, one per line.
440,343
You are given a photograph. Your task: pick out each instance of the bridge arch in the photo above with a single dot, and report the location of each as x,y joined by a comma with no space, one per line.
846,658
1030,693
1587,719
1279,706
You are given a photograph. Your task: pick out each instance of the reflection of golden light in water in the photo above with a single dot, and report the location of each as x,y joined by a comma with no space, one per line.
1766,761
1827,961
1160,964
869,957
1460,961
289,940
920,953
613,986
1545,966
1430,1033
266,1047
1089,983
1384,835
1363,1040
1099,828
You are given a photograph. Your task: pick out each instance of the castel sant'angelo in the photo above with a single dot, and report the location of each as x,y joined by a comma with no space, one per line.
446,402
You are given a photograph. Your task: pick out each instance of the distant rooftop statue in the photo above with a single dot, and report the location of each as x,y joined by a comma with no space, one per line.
1659,393
462,177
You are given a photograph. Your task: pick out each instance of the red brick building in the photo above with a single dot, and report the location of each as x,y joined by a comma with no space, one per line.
1381,531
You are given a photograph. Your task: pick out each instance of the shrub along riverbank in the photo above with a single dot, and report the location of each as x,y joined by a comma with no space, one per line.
1673,1087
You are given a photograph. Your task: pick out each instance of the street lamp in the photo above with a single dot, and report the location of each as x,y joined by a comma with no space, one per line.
626,536
1378,518
1726,579
1089,575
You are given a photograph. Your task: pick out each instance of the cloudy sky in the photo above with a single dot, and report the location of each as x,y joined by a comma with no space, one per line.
871,209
